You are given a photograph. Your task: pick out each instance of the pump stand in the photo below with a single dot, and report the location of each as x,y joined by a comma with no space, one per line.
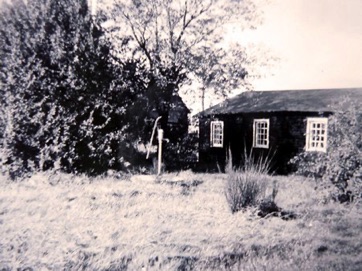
160,138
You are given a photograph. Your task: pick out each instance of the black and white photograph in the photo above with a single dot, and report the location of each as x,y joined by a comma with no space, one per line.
180,135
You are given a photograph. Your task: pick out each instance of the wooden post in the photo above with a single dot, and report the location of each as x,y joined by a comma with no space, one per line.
160,138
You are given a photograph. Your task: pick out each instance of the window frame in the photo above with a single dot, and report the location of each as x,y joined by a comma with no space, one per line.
257,132
309,136
214,141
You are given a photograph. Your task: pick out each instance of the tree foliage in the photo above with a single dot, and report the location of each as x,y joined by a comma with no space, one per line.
180,41
65,97
72,99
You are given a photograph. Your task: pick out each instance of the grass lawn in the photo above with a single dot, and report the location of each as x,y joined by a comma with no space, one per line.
177,222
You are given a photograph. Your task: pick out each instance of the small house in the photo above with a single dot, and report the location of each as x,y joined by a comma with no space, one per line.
178,118
175,124
274,124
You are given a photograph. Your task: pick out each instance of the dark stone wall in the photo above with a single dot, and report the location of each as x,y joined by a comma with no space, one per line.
287,133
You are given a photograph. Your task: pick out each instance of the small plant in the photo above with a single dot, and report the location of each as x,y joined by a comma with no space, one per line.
246,187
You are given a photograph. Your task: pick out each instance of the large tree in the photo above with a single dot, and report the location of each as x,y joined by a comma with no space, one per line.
64,95
182,40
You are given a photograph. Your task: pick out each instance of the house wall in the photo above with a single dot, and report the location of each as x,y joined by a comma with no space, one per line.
210,159
286,138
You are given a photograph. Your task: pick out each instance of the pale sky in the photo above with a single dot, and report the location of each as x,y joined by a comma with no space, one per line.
319,43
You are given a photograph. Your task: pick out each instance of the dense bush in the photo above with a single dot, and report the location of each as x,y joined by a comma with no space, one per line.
181,155
65,98
342,163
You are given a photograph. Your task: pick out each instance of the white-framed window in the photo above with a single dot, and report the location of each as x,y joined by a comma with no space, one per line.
217,133
316,137
261,133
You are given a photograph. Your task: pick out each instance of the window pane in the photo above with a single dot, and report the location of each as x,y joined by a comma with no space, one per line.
261,131
316,134
216,133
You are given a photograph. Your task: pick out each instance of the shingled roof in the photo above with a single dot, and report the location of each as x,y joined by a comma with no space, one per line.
311,100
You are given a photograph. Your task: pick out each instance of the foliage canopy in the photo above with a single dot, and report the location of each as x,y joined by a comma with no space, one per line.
182,41
65,96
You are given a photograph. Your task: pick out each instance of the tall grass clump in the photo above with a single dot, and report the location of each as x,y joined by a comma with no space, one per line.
246,186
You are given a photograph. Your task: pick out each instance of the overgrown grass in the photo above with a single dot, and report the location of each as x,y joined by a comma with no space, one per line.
138,222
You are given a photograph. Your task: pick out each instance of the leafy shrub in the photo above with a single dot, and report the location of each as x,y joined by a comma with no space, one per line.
342,163
310,164
181,155
246,187
67,103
